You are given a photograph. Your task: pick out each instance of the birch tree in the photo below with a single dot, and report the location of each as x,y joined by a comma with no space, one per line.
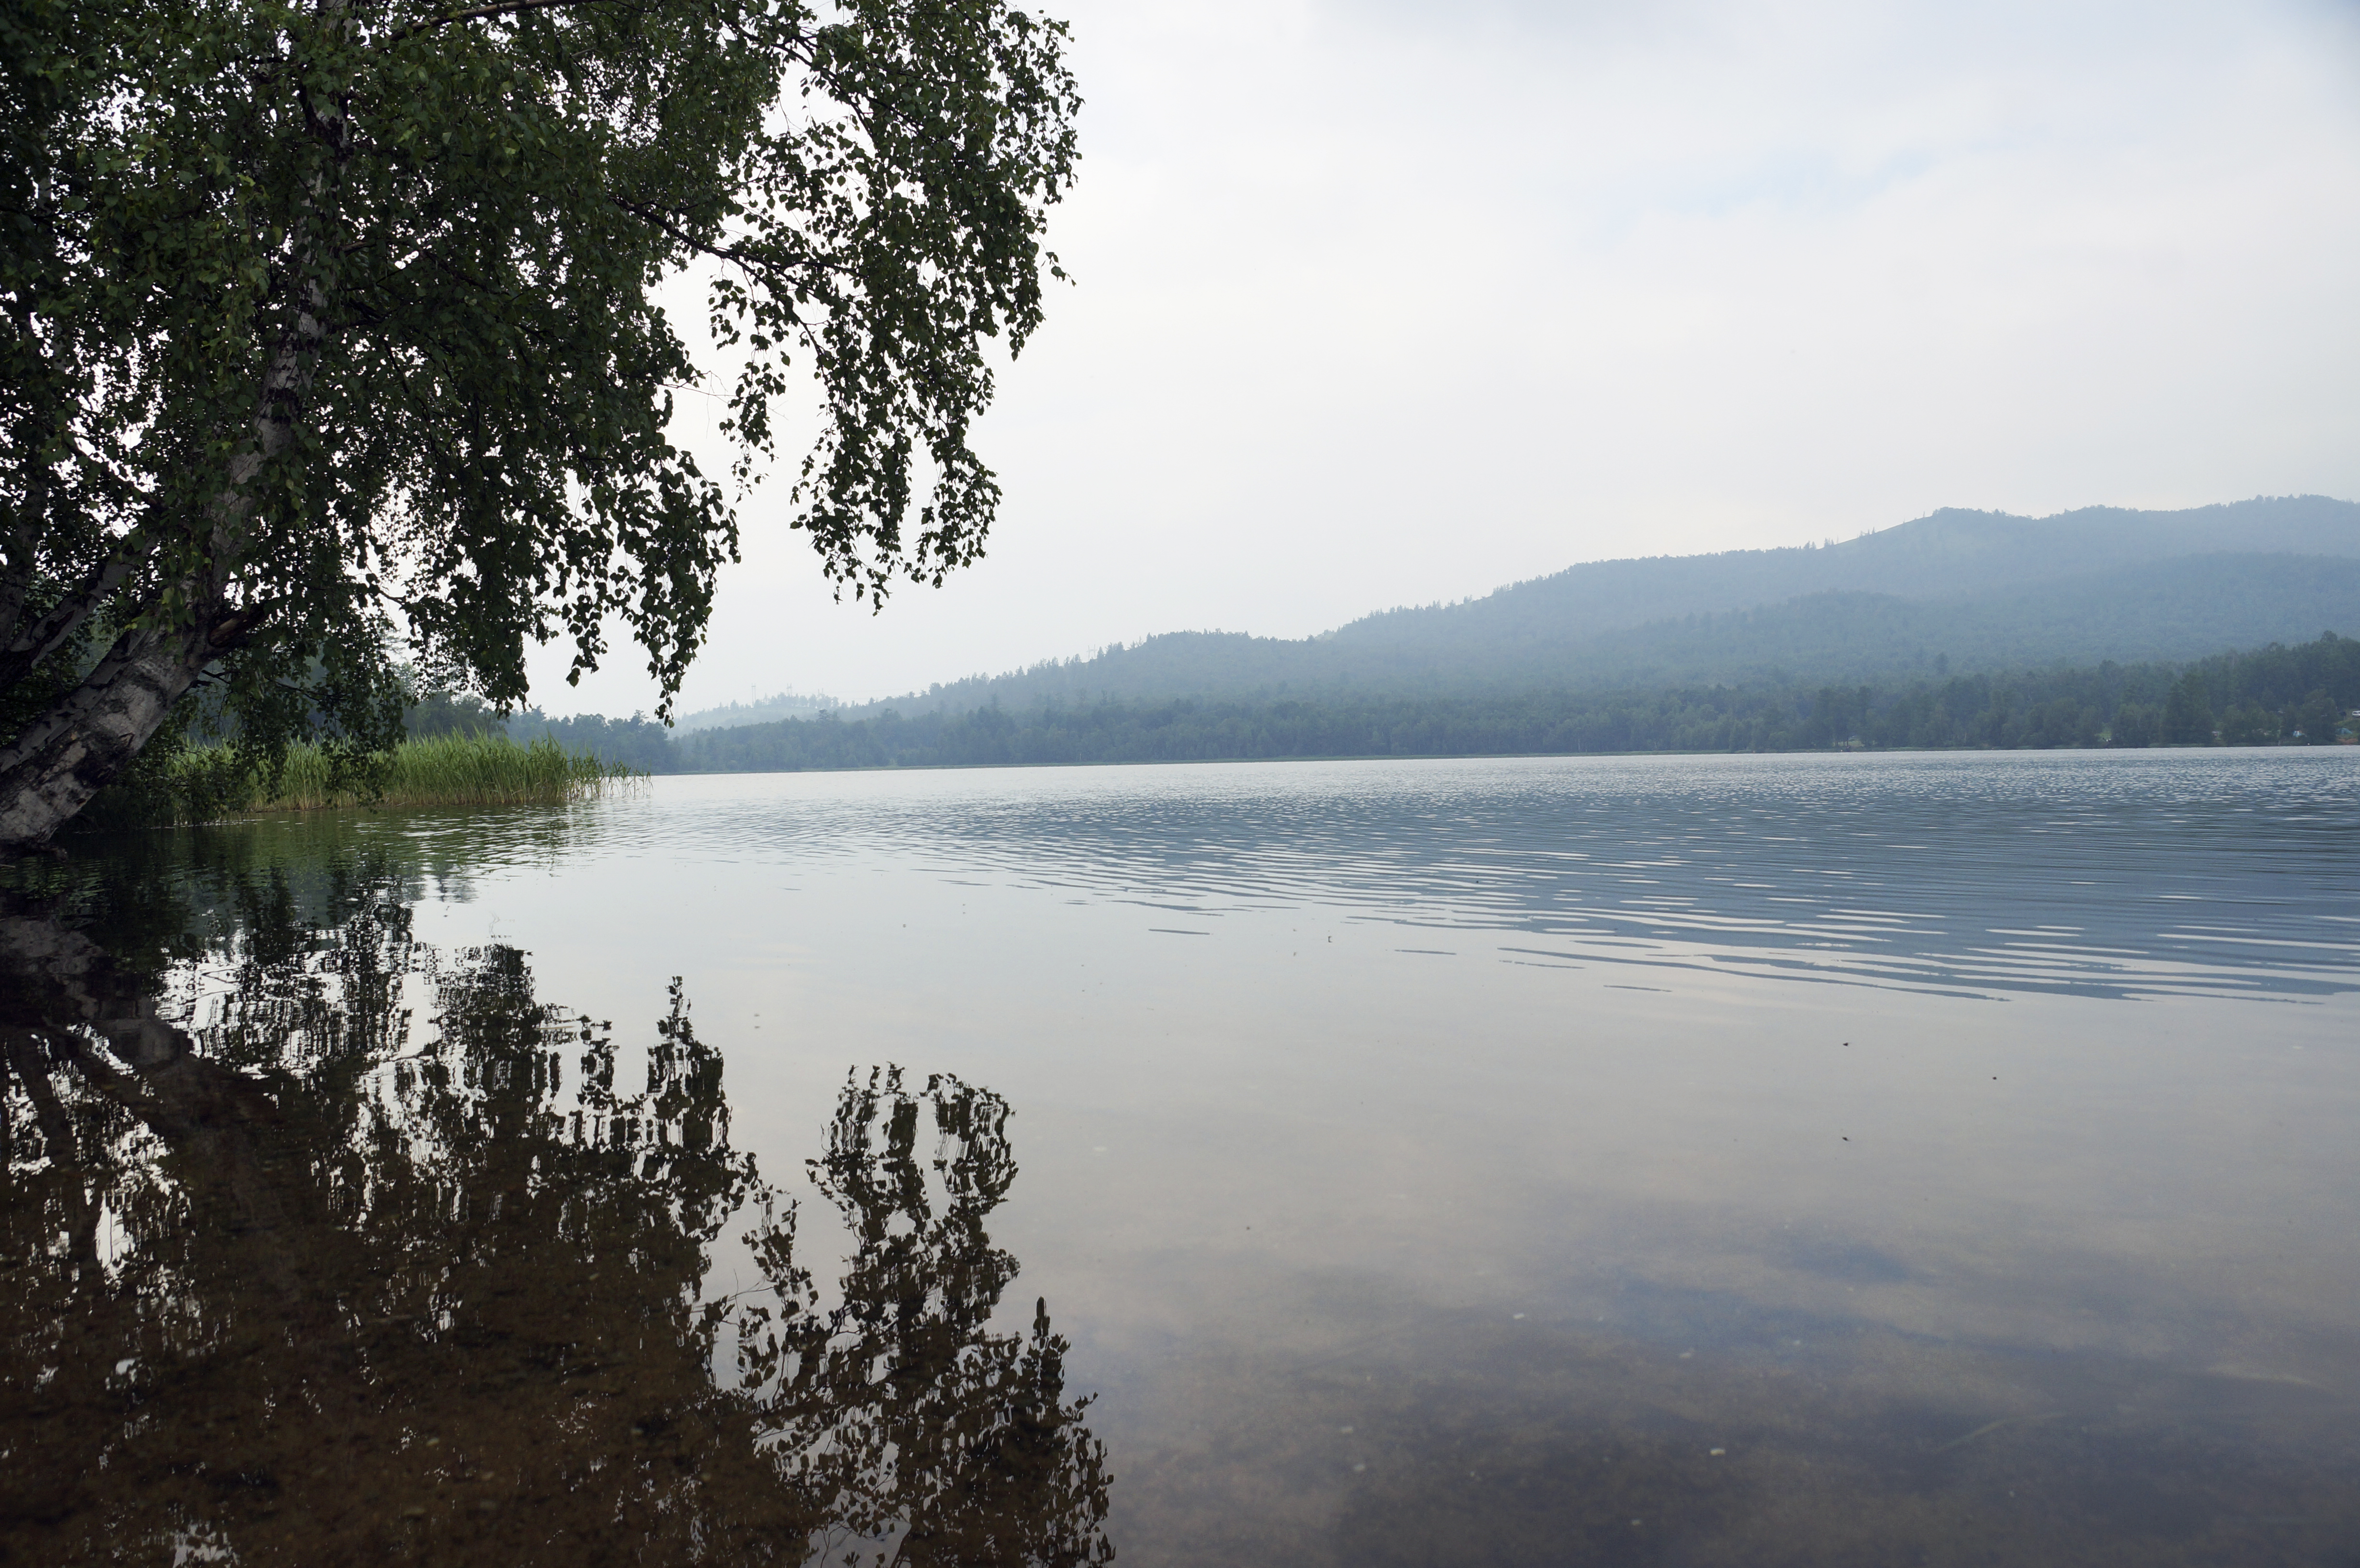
331,334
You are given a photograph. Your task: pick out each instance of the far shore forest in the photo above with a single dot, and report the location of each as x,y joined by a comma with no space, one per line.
2298,695
458,752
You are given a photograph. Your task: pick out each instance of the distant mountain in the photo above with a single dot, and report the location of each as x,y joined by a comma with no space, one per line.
2168,610
1958,589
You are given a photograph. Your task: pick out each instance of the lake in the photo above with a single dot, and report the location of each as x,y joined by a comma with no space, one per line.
1879,1158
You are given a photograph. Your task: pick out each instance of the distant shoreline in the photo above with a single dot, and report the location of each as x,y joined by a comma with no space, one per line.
2274,694
1506,756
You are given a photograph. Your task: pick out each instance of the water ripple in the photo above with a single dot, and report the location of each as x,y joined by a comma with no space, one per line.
2120,874
2224,873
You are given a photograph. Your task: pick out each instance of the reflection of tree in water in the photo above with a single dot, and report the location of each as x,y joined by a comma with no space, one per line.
292,1291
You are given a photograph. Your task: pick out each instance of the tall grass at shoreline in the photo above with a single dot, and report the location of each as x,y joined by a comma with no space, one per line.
204,783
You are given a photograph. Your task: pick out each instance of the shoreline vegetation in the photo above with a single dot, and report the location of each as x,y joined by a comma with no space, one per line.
460,753
210,782
2301,695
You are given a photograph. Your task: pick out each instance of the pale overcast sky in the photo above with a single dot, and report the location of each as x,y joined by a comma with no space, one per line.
1386,302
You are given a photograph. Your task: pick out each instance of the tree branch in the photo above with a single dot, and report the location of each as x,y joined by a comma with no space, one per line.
25,652
736,255
481,14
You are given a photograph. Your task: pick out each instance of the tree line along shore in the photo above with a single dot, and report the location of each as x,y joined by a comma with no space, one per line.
2301,695
460,753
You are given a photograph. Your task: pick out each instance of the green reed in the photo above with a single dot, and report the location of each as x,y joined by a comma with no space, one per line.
206,782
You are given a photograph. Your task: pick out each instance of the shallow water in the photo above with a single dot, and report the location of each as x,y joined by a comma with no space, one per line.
1818,1160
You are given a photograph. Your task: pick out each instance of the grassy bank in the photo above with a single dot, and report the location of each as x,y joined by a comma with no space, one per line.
205,783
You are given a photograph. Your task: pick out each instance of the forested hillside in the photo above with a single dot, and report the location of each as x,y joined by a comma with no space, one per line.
2170,610
2273,695
1962,628
1956,591
789,704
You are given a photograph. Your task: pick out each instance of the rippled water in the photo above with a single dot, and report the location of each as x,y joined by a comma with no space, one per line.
2113,875
1813,1160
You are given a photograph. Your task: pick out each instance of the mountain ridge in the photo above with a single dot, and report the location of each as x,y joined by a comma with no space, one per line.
2094,584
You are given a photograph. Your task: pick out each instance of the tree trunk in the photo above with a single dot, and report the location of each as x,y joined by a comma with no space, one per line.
65,757
50,769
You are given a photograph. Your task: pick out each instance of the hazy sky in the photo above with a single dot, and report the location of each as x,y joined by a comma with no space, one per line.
1391,301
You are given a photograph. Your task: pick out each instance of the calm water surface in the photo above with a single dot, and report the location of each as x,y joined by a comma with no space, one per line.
1820,1159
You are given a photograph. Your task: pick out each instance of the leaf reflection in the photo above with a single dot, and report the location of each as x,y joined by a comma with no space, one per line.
304,1281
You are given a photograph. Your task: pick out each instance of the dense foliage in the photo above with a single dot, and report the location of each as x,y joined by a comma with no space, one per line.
329,325
2272,694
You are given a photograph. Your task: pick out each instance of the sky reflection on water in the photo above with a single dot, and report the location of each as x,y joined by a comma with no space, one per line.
2108,874
297,1283
1435,1162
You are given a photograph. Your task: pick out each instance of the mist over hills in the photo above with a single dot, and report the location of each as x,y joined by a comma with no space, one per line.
1962,628
2170,610
1956,590
787,704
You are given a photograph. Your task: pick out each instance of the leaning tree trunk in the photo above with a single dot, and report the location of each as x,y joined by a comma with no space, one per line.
52,767
65,757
